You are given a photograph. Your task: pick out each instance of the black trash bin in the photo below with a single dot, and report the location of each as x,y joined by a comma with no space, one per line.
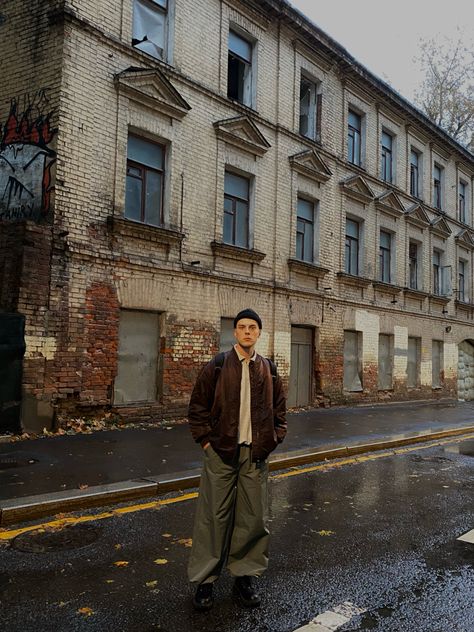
12,350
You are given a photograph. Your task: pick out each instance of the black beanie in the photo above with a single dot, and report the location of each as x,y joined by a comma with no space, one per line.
248,313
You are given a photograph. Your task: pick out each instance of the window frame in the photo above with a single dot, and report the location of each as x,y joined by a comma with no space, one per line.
462,199
248,67
234,199
438,186
313,132
312,225
415,173
436,271
353,133
130,163
463,267
411,285
157,6
387,155
385,267
353,241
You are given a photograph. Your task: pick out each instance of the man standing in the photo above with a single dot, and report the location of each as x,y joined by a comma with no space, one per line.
237,414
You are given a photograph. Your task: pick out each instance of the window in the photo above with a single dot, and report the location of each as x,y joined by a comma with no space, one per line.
150,26
437,186
436,272
354,136
352,361
305,231
236,210
385,256
352,247
414,173
385,362
310,105
436,363
227,339
462,201
413,362
413,264
239,69
137,371
145,174
462,273
387,157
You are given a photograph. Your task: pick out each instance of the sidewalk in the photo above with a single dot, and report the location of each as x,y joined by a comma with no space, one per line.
47,475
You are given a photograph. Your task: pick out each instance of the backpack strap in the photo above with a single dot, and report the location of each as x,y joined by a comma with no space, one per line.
273,368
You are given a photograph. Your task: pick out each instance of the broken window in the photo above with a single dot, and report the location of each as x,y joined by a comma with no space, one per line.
413,362
305,231
353,361
137,369
310,108
145,176
149,26
385,362
436,363
438,174
239,70
236,210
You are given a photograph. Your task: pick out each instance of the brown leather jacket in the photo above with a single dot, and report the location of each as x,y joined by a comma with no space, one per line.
215,405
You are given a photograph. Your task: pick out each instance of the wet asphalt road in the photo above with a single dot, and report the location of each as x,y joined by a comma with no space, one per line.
380,533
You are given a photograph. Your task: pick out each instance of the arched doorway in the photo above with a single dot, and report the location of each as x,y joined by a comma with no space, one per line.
466,371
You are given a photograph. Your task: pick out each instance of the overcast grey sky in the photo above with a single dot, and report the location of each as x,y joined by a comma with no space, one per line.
385,36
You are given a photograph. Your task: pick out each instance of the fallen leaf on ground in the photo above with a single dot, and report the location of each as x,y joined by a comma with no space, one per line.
121,563
324,532
118,546
83,486
166,535
186,542
109,581
151,584
86,611
161,561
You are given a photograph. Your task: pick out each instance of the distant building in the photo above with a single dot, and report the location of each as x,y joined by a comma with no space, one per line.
166,163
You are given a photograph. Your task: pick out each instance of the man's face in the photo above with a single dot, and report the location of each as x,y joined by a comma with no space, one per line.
246,333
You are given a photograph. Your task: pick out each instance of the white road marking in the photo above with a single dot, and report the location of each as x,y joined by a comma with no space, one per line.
468,537
333,619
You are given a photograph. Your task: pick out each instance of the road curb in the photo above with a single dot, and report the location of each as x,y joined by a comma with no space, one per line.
42,505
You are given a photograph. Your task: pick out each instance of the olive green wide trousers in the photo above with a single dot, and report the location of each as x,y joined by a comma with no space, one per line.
230,527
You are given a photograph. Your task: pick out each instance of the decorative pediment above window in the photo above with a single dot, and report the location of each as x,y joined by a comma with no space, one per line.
390,203
242,132
439,226
310,164
152,89
358,189
465,239
417,216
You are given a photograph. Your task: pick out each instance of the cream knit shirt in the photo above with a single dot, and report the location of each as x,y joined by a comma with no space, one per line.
245,421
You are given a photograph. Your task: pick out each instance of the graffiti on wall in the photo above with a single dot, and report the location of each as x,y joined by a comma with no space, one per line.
26,159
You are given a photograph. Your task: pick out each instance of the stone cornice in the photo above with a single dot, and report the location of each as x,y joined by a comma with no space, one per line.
309,269
228,251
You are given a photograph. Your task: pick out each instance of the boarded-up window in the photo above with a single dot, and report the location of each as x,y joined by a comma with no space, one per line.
385,362
413,363
436,363
136,379
227,339
352,361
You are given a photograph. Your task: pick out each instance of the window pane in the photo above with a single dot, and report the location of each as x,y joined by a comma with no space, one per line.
299,245
385,239
240,46
133,199
236,186
352,228
145,152
242,223
354,120
414,158
305,209
153,198
148,28
386,140
308,243
228,230
354,260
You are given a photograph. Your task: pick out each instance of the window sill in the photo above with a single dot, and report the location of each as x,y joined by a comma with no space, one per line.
439,300
412,293
228,251
388,288
309,269
146,232
463,305
352,279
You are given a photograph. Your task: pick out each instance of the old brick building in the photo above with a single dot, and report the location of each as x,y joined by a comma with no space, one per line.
165,163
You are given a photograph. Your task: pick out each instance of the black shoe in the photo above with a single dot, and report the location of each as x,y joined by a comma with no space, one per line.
203,599
245,591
